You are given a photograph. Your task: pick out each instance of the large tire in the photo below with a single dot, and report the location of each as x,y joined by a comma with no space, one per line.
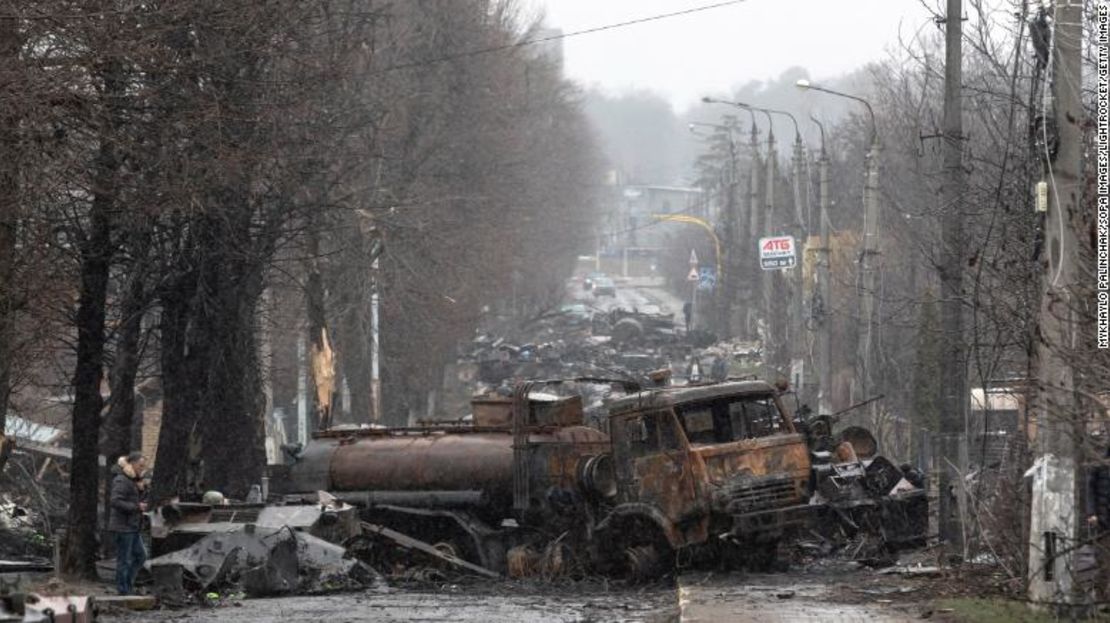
762,556
627,329
637,551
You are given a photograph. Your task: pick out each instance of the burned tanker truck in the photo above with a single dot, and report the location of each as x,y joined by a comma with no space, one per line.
681,475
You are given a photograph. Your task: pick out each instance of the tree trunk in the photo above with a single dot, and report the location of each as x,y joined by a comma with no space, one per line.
315,310
9,214
116,438
233,425
354,356
180,390
79,555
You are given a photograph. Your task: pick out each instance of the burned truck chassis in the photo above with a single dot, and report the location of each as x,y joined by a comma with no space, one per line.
500,494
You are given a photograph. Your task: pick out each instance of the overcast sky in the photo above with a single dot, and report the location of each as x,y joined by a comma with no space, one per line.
686,56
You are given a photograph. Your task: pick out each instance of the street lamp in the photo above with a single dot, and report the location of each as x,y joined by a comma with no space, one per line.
715,126
870,238
766,111
806,85
710,100
800,230
823,296
730,128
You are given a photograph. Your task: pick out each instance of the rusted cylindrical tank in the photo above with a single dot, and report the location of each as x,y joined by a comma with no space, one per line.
436,461
429,462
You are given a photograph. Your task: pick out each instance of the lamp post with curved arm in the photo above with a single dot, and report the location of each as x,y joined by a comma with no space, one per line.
793,342
869,250
762,225
823,298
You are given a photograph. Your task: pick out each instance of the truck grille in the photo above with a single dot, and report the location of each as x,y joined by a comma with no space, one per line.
754,494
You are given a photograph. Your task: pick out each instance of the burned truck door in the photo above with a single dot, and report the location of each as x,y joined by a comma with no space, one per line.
653,465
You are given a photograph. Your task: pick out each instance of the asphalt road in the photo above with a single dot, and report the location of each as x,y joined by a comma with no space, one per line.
489,604
840,594
644,294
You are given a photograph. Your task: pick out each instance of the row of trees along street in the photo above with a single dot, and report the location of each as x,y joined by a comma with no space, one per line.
1010,136
185,185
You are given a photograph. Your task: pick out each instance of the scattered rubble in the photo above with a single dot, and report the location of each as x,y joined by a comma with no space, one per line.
260,561
35,608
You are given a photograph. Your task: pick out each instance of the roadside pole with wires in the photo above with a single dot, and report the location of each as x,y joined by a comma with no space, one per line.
954,395
1054,521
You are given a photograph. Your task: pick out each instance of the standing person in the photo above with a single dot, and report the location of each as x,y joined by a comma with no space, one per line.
719,371
125,519
693,370
1098,522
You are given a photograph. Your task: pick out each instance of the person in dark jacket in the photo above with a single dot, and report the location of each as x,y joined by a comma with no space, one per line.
719,371
125,520
1098,521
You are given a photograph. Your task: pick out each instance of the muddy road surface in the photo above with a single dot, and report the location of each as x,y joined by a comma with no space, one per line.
789,598
502,603
840,594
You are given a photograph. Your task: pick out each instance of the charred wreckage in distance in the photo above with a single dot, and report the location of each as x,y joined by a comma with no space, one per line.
716,473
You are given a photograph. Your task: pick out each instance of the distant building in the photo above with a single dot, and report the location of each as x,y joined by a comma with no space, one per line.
633,240
641,203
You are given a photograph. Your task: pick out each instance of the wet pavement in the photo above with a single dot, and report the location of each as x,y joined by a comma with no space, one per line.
843,595
654,605
775,598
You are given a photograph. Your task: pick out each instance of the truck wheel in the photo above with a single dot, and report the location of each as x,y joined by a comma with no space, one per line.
762,556
647,562
638,552
627,329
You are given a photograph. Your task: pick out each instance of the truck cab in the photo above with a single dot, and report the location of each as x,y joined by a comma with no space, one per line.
697,465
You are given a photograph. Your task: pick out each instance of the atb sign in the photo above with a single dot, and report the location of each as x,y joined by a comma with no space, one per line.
777,252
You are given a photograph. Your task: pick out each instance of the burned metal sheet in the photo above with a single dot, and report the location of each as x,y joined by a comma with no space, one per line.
264,561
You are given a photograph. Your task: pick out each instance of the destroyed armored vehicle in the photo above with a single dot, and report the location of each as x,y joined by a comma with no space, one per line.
684,474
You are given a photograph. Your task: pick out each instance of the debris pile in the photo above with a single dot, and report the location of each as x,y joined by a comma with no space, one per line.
259,549
35,608
261,562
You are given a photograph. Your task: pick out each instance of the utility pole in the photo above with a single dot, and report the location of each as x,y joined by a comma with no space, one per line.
726,282
769,276
693,290
867,272
754,273
868,253
822,303
953,386
375,346
796,336
1054,524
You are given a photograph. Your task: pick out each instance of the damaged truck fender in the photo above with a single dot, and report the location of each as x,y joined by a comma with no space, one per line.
639,514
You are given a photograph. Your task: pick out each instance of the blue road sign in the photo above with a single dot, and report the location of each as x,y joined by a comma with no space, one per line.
707,278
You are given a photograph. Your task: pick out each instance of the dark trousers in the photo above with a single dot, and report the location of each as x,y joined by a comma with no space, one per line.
130,557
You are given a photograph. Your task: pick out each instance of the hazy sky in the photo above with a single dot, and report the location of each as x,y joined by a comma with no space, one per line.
687,56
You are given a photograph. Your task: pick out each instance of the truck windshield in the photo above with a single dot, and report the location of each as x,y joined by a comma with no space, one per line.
730,419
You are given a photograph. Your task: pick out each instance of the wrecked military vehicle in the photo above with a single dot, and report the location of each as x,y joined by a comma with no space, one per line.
681,475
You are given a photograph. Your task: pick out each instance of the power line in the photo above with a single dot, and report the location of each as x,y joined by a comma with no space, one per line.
520,44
